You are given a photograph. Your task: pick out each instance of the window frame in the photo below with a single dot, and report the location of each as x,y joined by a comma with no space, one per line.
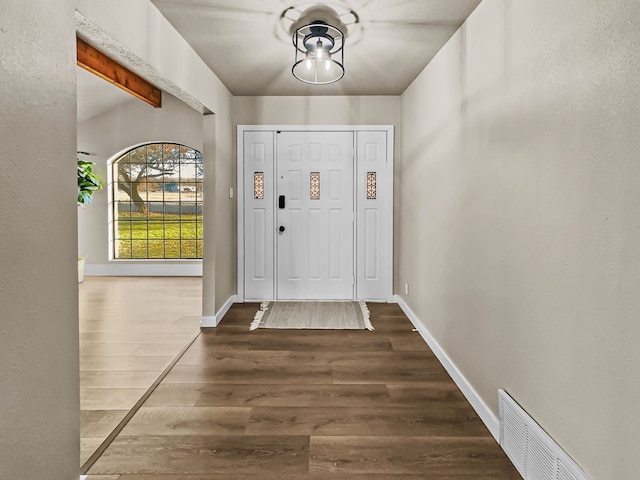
185,156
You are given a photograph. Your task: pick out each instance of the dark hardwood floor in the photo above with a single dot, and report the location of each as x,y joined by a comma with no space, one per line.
308,405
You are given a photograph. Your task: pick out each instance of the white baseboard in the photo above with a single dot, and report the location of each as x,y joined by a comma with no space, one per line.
225,308
144,270
208,322
212,322
484,412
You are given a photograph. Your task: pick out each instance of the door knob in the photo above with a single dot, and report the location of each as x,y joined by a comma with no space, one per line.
281,229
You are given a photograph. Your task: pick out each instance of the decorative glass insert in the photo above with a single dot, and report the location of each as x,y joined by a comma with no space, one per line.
315,186
371,185
258,185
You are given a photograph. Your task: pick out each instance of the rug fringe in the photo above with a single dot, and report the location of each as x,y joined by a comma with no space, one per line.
366,316
257,319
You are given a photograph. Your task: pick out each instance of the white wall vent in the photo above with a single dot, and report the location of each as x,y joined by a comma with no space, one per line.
533,452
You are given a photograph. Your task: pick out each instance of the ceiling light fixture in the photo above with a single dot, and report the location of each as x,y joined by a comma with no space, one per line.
318,39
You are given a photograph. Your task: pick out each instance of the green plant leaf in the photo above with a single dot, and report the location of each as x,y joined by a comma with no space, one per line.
88,182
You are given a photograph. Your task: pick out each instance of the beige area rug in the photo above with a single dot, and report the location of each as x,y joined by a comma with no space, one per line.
313,315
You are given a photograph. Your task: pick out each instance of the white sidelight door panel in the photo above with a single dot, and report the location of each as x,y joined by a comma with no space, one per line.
315,215
374,200
259,184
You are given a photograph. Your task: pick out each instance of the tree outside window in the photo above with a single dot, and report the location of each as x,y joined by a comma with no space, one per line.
157,193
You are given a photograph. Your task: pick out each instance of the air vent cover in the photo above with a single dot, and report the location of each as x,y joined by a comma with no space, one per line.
533,452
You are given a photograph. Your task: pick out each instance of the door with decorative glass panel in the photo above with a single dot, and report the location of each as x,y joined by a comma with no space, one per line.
316,215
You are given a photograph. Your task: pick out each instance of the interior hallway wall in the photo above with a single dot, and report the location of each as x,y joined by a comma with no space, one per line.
39,399
320,110
223,216
519,233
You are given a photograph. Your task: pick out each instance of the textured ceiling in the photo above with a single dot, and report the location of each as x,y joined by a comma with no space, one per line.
246,45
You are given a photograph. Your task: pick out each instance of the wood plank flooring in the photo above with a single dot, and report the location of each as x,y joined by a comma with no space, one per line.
307,405
131,328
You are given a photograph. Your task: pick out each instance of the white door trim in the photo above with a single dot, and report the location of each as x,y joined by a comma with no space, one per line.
241,129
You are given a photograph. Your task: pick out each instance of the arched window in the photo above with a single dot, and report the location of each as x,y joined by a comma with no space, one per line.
157,202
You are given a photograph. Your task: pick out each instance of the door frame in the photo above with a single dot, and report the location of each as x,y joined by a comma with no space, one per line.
240,131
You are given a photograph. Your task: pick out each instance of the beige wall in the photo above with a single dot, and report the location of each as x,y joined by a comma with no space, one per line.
519,232
110,133
39,401
223,218
321,110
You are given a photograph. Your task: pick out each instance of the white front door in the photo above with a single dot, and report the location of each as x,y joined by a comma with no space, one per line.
314,215
336,215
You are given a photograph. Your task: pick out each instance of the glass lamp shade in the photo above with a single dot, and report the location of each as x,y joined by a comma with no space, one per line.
319,58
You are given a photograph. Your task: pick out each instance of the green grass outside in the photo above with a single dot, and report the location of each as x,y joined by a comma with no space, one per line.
149,236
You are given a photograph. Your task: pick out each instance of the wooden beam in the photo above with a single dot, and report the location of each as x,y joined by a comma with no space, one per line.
98,63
